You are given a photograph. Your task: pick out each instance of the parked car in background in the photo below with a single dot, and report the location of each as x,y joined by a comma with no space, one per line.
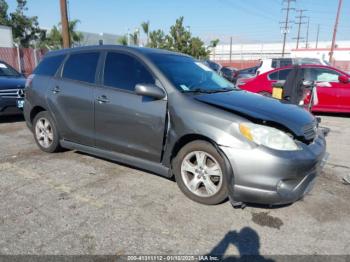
169,113
267,65
332,85
230,73
213,65
246,73
12,84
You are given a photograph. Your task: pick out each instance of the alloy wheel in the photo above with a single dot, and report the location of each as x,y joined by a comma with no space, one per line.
44,132
201,173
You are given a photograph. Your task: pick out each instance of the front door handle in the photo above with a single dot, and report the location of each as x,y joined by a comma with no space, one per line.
56,90
102,99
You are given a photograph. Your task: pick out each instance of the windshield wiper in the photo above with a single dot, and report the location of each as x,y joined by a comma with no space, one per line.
197,90
208,91
222,90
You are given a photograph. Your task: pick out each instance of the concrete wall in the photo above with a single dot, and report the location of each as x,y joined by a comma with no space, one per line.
6,39
270,50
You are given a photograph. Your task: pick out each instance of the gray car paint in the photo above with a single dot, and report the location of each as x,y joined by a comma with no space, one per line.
148,132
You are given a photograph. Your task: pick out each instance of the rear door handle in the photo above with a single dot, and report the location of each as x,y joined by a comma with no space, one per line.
56,90
102,99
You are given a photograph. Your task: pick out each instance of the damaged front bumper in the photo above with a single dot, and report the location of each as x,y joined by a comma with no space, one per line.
266,176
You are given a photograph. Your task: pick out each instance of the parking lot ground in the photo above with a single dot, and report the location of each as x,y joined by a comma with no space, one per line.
73,203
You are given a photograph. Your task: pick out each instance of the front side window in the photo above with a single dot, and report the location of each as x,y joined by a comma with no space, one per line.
321,75
125,72
280,75
49,66
81,67
188,74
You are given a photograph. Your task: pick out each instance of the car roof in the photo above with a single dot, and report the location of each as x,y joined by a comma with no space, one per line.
140,50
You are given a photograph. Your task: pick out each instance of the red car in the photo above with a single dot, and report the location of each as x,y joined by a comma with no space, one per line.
333,86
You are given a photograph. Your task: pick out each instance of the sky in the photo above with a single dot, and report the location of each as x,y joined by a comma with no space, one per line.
243,20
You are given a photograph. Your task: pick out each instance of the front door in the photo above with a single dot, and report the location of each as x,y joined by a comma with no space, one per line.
327,88
124,121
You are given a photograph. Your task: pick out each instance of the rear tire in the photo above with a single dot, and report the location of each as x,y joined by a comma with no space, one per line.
200,173
45,133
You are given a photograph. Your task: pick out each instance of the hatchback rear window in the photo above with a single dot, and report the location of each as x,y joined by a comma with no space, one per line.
49,66
81,67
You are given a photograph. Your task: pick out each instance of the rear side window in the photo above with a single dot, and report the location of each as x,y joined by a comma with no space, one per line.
280,75
49,66
125,72
81,67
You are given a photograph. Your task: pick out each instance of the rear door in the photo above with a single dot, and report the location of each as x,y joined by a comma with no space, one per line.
124,121
71,97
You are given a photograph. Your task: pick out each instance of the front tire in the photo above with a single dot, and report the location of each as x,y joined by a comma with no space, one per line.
200,173
45,133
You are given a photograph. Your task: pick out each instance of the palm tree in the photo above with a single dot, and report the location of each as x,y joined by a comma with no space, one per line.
75,36
134,38
145,28
213,44
123,40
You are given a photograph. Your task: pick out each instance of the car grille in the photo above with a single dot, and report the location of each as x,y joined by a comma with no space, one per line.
310,131
12,93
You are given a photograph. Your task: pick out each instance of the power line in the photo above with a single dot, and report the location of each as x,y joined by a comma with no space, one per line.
300,17
285,28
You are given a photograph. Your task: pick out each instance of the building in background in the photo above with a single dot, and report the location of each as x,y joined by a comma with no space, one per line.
246,55
94,39
6,39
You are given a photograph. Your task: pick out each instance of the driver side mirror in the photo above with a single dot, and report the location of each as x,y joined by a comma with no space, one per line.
343,79
150,90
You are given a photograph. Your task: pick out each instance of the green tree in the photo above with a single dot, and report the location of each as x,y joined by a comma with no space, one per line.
213,45
134,37
123,40
75,36
157,39
53,39
25,29
145,28
4,19
179,39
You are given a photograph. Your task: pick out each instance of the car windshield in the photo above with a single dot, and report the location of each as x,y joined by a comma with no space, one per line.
6,70
189,75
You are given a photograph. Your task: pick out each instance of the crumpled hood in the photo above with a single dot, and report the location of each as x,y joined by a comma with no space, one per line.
12,82
260,107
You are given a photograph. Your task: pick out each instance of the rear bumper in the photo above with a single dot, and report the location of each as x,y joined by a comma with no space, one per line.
266,176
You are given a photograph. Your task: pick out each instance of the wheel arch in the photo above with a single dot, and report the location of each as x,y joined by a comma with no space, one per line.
35,110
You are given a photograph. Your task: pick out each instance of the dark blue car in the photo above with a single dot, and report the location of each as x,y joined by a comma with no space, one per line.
11,88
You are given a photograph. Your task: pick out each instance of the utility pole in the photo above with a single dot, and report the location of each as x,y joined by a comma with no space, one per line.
318,34
300,17
65,25
335,32
307,33
285,27
230,49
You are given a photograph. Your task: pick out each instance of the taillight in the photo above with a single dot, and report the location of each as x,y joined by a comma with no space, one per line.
235,74
29,81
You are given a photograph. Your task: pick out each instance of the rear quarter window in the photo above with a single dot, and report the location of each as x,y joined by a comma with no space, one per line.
49,65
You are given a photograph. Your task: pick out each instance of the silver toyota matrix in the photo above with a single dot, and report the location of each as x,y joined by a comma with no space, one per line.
171,115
